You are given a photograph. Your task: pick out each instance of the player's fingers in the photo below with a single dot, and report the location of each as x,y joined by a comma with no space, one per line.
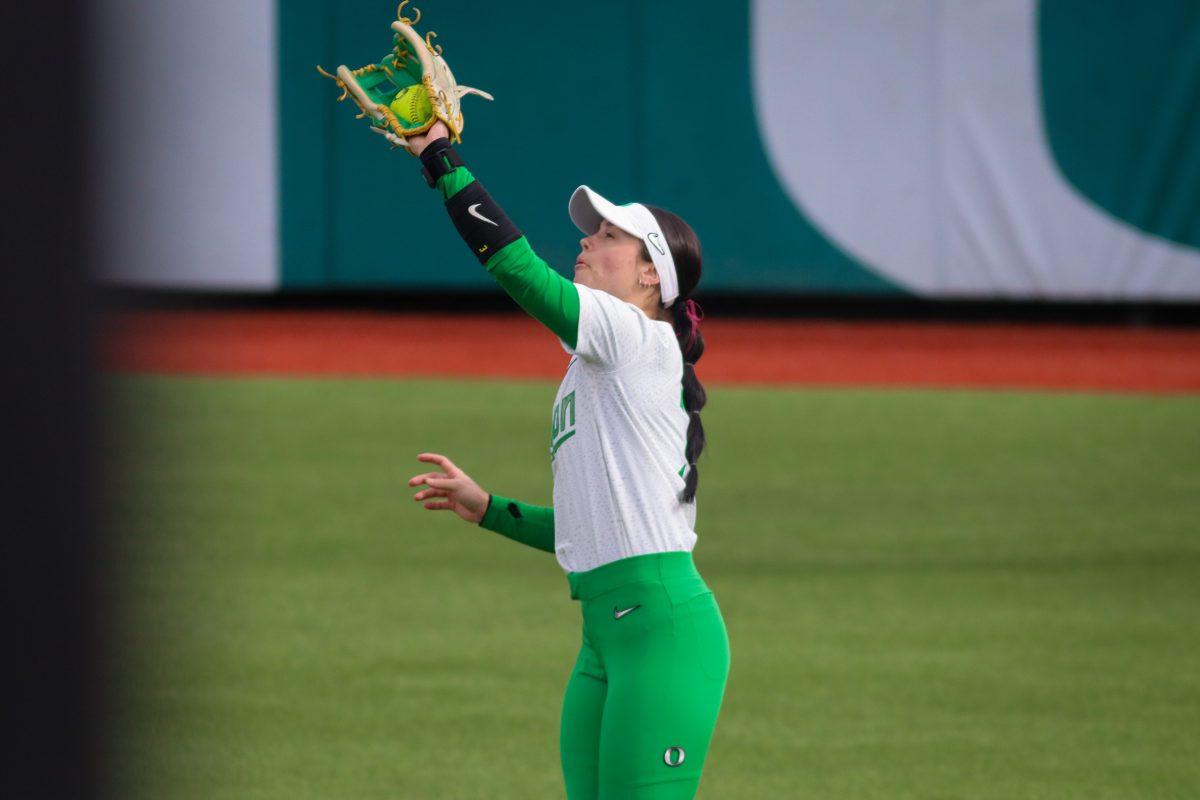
431,493
437,506
418,479
438,459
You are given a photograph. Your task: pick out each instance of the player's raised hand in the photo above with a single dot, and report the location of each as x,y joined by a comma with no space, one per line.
419,142
462,495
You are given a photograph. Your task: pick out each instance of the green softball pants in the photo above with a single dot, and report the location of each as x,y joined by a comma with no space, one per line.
642,700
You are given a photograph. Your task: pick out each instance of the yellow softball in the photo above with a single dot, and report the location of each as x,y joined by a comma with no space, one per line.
412,105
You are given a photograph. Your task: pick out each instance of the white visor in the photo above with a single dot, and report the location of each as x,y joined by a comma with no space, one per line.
587,208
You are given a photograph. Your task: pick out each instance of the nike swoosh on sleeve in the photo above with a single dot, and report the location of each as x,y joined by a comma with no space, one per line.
471,210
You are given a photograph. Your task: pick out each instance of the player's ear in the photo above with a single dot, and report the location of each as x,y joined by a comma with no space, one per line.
648,275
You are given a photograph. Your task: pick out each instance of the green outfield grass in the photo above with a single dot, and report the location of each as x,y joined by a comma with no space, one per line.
928,594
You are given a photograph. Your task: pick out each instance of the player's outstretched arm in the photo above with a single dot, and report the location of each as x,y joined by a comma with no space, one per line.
522,522
496,242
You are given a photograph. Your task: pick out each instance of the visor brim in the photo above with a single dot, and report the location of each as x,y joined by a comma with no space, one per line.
587,208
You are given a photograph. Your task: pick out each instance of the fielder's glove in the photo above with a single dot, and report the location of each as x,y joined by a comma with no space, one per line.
409,89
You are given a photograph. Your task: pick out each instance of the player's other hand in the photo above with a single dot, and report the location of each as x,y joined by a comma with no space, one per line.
438,131
460,494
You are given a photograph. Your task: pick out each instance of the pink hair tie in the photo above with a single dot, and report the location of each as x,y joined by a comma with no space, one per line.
694,314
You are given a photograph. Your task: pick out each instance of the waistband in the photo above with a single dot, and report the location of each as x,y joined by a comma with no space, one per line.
646,567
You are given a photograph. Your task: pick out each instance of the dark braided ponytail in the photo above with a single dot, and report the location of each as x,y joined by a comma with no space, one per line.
686,316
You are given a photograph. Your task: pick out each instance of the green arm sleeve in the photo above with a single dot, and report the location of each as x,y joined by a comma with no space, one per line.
545,295
521,522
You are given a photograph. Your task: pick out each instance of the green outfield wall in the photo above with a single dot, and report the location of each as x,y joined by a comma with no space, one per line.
580,101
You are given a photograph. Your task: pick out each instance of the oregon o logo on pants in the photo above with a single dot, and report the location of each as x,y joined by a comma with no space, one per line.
674,756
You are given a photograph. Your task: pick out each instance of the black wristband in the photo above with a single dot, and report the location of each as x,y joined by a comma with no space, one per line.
434,158
481,223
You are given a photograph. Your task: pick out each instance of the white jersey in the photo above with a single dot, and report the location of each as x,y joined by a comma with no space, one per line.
618,439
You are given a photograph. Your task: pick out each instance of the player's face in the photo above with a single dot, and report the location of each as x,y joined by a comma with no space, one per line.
609,260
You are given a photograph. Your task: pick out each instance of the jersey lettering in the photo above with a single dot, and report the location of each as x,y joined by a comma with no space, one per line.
562,424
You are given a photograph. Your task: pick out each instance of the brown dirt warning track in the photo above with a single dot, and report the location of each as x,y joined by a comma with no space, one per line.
804,352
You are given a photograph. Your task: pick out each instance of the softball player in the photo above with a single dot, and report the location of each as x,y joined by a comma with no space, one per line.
643,698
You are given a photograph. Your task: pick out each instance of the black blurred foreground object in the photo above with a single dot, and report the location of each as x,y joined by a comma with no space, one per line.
49,519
